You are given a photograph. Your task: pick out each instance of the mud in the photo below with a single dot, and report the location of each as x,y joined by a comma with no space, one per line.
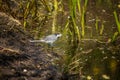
20,59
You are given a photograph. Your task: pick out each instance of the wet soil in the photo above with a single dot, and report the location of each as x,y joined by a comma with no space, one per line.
20,59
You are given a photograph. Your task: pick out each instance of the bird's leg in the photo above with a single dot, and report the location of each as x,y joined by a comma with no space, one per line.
48,47
52,48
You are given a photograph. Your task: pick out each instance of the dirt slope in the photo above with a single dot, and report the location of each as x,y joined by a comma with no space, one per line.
19,59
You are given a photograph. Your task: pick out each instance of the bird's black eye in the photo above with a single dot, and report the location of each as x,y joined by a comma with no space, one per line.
55,34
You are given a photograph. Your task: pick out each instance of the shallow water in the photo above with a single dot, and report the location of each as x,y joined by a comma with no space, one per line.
97,58
94,57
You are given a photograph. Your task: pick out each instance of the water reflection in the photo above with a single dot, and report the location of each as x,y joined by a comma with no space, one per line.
98,62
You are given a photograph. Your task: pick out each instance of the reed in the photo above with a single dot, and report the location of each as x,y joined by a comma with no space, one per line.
96,24
29,9
101,29
115,35
83,12
46,5
25,14
54,22
75,28
117,21
73,19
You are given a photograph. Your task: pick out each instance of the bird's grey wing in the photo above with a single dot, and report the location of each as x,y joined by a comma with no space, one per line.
50,37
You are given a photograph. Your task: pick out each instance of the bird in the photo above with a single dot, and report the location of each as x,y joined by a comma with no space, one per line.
50,39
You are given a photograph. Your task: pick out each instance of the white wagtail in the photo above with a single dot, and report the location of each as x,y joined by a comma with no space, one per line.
50,39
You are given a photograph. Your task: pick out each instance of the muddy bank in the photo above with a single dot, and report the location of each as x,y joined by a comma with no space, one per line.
21,60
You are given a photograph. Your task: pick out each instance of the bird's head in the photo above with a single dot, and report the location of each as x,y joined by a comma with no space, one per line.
58,35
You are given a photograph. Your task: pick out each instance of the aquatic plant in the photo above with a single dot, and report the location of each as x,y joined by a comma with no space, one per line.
117,21
115,35
29,9
54,22
75,30
101,29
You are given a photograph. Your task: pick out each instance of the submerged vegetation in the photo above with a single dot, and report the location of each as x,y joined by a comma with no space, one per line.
91,32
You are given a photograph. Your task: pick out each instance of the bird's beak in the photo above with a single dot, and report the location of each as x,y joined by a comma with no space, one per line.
59,35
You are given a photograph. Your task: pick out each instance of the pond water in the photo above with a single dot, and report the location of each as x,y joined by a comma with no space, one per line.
94,57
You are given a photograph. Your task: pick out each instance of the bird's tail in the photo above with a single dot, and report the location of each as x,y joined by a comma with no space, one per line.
36,40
